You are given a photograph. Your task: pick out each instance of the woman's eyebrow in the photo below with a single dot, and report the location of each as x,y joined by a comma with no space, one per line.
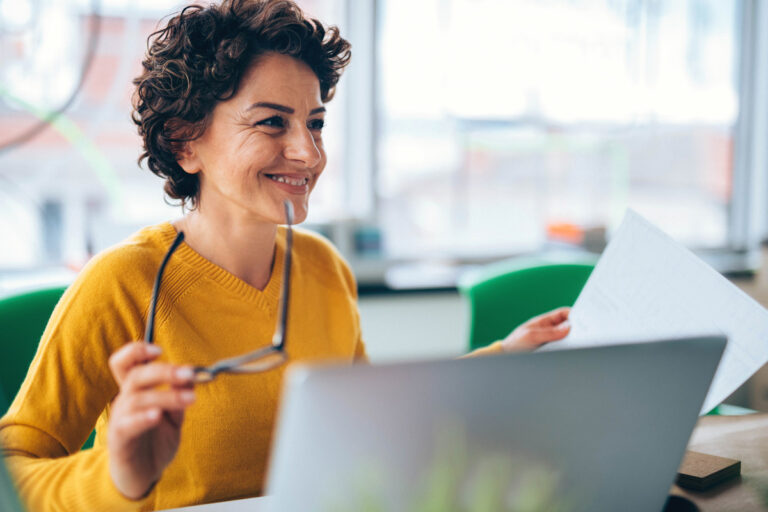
282,108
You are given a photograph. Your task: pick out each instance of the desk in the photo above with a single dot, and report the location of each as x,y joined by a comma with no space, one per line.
737,437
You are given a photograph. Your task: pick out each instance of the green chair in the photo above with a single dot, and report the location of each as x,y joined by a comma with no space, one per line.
23,318
503,295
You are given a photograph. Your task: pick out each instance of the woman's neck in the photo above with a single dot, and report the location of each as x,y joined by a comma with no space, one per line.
244,249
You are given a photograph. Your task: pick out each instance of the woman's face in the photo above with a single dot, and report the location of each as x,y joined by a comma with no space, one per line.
263,145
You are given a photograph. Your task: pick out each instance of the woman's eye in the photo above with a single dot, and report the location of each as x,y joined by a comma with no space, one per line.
316,124
272,122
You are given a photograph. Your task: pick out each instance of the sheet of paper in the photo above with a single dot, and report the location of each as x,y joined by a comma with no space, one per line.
648,286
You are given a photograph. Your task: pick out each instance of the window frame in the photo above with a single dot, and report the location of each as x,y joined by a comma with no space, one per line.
748,222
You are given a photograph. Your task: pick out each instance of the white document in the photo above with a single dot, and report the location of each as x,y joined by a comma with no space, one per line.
648,286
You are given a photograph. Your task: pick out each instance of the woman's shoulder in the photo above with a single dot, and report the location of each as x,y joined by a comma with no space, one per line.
313,241
132,261
145,248
322,258
116,280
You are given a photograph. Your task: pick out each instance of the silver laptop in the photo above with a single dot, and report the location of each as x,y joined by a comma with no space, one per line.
573,430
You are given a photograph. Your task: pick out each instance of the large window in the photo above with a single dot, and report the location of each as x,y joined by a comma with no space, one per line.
462,130
501,121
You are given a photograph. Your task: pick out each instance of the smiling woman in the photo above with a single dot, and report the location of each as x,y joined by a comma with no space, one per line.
230,107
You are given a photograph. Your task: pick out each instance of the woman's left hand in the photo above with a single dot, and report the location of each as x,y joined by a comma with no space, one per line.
538,330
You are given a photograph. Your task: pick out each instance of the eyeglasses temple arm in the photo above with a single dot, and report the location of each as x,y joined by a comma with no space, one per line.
234,362
149,333
278,340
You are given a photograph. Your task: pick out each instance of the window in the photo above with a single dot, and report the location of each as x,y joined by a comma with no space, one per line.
503,121
464,129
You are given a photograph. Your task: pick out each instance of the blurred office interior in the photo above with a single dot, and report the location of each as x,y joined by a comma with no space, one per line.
463,132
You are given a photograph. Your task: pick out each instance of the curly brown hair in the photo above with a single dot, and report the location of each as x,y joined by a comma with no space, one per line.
198,60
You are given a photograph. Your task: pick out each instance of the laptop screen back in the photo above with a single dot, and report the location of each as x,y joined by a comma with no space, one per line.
585,429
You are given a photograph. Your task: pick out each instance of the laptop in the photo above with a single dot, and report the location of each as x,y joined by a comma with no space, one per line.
601,428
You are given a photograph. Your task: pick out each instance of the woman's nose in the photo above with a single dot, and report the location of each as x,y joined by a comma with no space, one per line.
301,146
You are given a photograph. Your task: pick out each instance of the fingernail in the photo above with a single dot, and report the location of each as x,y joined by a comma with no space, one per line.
153,414
565,325
184,373
188,396
153,350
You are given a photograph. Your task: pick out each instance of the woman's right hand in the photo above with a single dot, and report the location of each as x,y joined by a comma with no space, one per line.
145,418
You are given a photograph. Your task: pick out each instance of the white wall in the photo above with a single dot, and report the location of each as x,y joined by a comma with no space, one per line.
399,327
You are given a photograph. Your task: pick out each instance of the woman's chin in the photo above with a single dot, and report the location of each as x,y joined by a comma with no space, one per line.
300,210
300,215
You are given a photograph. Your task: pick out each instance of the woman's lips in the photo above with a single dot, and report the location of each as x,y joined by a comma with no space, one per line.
294,183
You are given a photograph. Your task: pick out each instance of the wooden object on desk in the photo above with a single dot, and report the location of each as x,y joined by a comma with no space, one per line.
744,438
701,471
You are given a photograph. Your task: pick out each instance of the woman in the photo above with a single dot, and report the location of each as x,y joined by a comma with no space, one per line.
230,108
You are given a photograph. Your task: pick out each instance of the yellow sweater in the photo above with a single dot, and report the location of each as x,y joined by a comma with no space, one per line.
204,314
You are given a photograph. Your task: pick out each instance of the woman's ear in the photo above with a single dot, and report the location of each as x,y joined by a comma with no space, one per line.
187,158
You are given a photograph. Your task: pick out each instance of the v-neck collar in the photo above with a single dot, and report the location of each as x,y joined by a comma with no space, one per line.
266,298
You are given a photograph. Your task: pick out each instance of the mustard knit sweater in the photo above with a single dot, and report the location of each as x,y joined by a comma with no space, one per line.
204,313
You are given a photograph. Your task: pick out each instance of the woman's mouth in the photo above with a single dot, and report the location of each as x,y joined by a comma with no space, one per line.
296,182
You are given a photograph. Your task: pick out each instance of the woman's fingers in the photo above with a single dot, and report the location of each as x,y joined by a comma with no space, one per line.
550,318
133,374
130,355
527,337
165,400
547,334
148,391
129,426
136,412
157,374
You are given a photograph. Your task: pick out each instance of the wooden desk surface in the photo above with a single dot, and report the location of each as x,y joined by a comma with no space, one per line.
738,437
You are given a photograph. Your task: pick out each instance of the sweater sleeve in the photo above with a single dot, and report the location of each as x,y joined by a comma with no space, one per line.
361,356
68,385
350,289
80,481
494,348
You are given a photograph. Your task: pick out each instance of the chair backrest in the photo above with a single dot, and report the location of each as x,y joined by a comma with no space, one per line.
23,318
504,295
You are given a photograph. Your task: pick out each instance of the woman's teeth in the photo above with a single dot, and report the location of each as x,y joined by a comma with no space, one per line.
290,181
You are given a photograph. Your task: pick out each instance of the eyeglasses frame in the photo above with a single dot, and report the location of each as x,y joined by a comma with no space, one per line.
248,362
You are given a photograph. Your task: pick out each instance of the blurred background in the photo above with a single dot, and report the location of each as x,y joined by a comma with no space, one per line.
463,132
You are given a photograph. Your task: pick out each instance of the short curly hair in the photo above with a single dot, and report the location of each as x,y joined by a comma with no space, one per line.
198,60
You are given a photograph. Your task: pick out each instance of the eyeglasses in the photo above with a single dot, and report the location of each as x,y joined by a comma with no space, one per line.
259,360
